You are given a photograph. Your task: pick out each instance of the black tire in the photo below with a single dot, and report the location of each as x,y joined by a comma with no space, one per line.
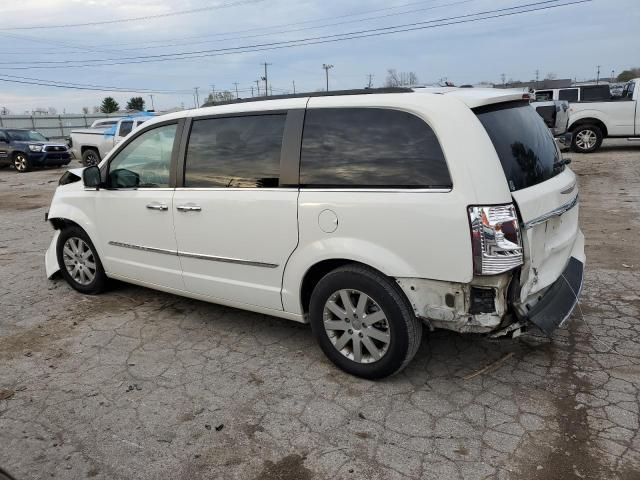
578,142
90,157
404,329
99,281
21,162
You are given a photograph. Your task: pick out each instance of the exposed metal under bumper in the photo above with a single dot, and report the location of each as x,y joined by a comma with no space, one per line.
559,300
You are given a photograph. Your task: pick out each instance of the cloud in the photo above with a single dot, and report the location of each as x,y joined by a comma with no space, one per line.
569,41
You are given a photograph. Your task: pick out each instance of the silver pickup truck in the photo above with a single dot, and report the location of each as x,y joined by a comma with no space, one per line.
90,145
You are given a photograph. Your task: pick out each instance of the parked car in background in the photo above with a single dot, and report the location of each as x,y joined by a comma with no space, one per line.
591,122
359,212
104,122
26,149
90,145
579,93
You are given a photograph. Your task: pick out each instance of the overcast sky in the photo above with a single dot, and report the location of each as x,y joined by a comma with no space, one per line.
569,41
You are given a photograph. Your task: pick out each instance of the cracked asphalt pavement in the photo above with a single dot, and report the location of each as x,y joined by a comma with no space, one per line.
141,384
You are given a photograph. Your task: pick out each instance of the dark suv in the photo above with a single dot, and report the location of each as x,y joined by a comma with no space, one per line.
26,149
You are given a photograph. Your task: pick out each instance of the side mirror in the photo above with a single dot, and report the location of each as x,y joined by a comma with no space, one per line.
91,177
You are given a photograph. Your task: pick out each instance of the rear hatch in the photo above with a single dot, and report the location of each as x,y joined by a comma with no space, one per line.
543,189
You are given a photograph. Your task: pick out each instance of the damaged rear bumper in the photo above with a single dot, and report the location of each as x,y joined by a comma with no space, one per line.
558,302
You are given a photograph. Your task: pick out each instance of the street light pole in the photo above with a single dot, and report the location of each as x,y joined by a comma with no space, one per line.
152,105
326,71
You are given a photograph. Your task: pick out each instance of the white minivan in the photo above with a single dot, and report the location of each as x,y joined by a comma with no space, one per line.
368,214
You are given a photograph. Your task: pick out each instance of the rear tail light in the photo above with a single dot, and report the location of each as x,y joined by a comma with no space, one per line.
495,239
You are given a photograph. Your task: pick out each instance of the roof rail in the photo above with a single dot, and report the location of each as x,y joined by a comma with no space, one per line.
331,93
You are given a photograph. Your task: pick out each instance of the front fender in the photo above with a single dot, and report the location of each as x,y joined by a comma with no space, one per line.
356,250
78,207
51,257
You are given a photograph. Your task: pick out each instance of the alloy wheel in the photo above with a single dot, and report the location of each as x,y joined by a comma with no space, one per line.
20,163
92,159
79,260
356,326
586,139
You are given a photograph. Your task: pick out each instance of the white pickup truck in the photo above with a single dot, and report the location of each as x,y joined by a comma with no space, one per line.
90,145
591,122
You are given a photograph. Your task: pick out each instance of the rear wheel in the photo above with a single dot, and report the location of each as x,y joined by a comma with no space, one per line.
586,138
363,322
21,162
90,157
79,262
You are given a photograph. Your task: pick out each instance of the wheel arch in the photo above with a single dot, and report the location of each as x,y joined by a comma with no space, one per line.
590,121
319,269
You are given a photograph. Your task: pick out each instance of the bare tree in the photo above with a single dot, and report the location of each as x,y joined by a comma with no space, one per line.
52,110
400,79
96,109
85,110
551,76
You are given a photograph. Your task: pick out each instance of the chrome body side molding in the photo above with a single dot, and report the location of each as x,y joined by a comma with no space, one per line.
212,258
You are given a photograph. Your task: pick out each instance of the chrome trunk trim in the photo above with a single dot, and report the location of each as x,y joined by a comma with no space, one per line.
553,213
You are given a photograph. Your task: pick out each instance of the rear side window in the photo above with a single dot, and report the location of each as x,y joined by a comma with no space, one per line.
235,152
595,92
125,128
568,94
544,95
525,146
370,147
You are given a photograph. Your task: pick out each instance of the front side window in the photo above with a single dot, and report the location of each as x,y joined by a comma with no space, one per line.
370,147
146,161
235,152
125,128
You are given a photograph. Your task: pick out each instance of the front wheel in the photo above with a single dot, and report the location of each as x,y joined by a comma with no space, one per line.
90,158
21,163
586,139
79,261
363,322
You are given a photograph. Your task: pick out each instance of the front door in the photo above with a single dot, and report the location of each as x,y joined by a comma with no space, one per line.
134,213
235,225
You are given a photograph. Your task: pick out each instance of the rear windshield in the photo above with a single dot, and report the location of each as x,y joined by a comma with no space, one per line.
523,142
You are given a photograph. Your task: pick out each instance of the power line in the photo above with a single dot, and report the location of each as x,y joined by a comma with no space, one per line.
134,19
174,44
79,86
455,20
304,22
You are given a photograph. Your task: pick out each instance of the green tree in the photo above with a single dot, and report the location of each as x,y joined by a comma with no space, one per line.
136,103
109,105
225,96
627,75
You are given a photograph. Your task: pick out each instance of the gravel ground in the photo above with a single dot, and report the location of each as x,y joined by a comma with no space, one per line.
141,384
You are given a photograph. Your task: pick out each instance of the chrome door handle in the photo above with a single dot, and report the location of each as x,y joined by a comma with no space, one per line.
157,206
189,208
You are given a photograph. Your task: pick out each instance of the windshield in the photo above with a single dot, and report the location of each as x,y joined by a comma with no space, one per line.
525,146
26,136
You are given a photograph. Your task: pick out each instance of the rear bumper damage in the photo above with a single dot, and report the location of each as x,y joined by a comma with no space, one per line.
557,303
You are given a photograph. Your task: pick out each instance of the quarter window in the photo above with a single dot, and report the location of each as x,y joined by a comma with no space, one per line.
125,128
146,161
370,147
235,152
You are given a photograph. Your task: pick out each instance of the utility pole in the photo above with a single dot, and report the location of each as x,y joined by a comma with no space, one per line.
197,96
537,77
266,79
152,105
270,90
236,84
294,87
370,82
258,86
326,71
612,76
252,90
502,75
598,76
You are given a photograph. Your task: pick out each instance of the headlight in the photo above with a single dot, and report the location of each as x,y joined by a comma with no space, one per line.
35,148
